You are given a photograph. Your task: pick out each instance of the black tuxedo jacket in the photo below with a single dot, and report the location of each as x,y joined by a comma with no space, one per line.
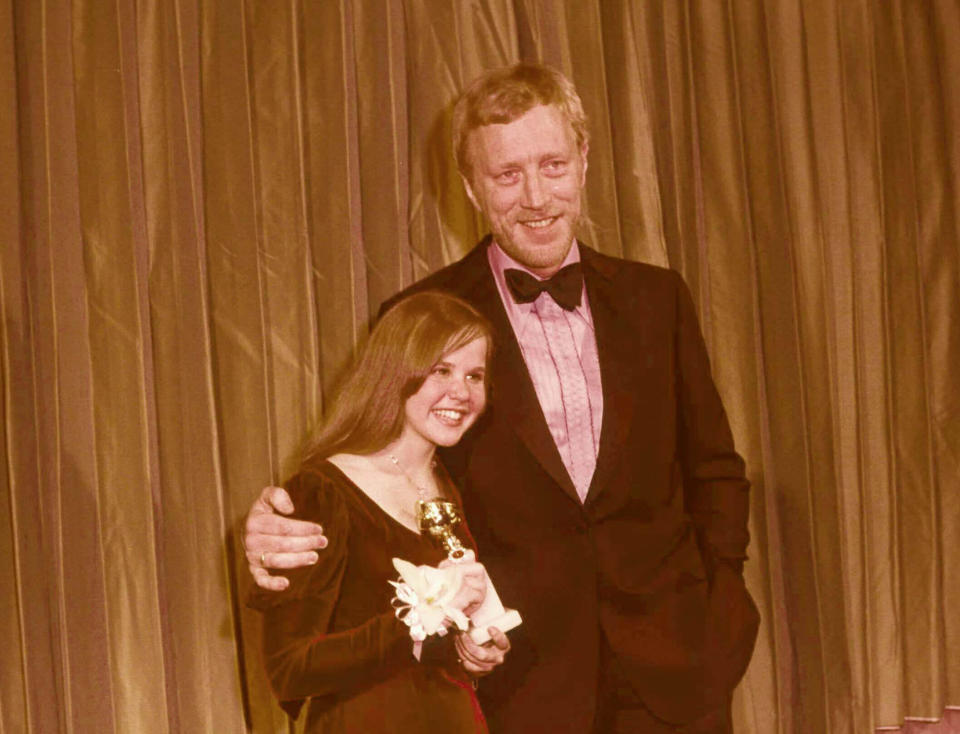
652,559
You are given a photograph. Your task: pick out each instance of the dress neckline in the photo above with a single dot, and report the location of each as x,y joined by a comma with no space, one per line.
367,499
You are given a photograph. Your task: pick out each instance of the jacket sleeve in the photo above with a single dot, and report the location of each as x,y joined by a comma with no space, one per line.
301,656
716,490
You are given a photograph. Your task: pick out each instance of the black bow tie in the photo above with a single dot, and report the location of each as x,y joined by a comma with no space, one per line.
565,286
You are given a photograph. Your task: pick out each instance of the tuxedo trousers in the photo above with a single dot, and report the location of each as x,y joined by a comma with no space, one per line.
620,710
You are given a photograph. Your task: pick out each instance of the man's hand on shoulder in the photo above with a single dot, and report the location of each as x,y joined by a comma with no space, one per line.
274,541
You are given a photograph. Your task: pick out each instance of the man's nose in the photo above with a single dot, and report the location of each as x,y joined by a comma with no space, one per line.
534,192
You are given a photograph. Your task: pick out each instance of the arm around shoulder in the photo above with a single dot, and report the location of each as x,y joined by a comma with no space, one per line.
272,540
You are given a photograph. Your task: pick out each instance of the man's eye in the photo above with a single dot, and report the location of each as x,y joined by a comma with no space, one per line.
508,177
556,167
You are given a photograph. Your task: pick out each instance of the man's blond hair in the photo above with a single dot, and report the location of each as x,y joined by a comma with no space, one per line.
503,95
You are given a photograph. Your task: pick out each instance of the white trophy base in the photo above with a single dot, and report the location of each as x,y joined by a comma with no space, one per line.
503,622
491,613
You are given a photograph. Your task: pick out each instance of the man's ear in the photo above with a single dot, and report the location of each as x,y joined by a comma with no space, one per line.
470,194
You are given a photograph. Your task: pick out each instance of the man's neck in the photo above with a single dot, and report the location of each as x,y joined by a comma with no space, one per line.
503,261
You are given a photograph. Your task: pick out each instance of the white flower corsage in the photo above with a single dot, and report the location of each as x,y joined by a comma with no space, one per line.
423,597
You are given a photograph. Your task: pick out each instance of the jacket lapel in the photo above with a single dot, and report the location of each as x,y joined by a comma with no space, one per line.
617,373
514,397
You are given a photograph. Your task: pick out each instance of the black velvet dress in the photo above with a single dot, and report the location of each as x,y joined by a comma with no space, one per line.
332,638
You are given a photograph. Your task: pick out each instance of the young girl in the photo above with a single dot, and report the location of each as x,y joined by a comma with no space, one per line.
333,637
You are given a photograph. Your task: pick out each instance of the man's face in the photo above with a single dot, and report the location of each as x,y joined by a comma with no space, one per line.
526,179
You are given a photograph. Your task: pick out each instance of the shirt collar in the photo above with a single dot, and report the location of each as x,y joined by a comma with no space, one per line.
500,261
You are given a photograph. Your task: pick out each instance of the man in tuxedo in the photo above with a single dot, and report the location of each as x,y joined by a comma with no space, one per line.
602,485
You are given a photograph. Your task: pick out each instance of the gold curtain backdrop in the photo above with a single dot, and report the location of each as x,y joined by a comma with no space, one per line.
205,202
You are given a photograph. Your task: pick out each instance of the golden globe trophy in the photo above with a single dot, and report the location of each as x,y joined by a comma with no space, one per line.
438,518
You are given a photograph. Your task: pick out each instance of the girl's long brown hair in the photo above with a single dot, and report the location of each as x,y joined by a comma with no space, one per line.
367,411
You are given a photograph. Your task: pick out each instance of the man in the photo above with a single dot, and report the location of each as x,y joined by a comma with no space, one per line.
602,485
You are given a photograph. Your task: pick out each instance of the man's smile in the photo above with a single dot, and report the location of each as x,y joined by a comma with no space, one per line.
540,223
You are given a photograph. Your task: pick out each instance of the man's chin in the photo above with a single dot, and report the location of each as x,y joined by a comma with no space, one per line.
537,254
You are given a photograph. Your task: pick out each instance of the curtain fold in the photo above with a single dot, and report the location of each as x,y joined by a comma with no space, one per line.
206,203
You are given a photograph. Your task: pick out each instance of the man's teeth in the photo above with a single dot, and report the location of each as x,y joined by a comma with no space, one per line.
539,223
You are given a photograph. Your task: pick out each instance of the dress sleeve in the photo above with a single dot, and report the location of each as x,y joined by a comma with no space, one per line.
301,656
715,484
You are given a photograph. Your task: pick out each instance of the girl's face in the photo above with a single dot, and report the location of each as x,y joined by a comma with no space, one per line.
452,396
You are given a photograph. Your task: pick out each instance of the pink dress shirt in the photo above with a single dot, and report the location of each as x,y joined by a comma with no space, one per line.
533,345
